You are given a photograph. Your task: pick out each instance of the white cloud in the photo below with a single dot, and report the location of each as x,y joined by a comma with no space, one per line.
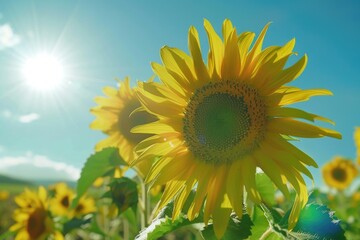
32,166
28,117
7,37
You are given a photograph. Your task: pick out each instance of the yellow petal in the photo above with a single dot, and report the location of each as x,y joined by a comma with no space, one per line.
182,197
159,127
295,113
271,169
230,68
216,46
287,75
235,187
256,49
177,61
284,145
357,143
295,128
244,41
215,191
248,172
221,220
194,47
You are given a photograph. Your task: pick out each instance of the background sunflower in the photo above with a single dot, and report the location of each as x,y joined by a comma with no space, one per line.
339,173
116,114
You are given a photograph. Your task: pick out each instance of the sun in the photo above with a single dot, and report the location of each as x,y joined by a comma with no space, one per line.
43,72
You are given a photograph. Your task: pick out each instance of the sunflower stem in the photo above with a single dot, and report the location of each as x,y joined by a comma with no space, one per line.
144,204
266,233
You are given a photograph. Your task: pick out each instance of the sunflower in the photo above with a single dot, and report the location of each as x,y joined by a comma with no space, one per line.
33,221
86,205
219,122
60,204
4,195
115,115
339,173
357,143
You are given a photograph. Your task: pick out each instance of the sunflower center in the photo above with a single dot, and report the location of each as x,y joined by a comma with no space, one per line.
65,201
79,208
339,174
36,223
127,121
224,121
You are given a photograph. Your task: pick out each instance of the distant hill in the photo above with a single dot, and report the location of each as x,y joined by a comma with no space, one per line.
46,183
9,180
33,182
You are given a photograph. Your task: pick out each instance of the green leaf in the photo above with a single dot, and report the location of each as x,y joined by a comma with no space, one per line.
266,188
124,193
96,166
161,226
315,222
261,224
7,235
74,223
237,229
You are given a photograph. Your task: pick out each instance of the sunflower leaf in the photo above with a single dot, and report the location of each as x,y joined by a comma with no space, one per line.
124,193
266,188
75,223
236,229
7,235
96,166
327,225
161,226
260,224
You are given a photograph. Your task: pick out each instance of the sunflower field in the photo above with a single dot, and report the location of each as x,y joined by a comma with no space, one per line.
201,150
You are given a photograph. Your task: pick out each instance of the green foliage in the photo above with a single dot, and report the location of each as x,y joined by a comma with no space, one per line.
7,235
96,166
161,226
236,229
266,188
75,223
260,224
124,193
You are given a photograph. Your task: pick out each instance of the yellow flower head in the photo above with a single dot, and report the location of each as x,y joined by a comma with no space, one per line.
219,121
30,199
339,173
4,195
86,205
33,221
60,204
116,115
356,197
357,143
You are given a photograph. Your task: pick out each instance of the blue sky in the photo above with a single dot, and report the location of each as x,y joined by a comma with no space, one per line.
98,42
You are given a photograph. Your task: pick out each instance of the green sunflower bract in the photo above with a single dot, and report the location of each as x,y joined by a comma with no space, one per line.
219,121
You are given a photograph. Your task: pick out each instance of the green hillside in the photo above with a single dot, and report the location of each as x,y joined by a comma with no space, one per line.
9,180
13,185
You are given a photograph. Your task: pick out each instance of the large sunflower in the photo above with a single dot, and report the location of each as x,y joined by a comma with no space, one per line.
339,173
219,122
115,116
33,221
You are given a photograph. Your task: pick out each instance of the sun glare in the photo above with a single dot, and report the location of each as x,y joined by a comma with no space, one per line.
43,72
